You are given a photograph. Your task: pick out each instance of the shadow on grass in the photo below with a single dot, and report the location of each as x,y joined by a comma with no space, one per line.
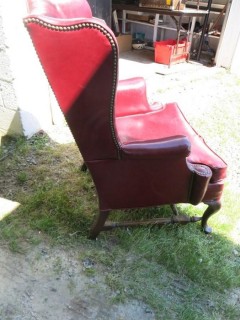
177,270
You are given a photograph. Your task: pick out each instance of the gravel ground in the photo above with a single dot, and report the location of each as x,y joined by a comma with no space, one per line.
49,283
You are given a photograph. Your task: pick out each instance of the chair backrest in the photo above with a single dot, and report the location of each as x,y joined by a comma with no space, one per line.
64,9
79,55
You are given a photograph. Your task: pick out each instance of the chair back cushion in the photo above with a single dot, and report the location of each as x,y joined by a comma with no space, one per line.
65,9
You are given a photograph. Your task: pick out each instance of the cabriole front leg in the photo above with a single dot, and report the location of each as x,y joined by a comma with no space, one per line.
84,167
99,224
213,207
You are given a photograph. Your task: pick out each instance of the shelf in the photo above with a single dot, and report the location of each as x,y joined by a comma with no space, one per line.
188,12
139,22
176,15
205,12
203,5
160,26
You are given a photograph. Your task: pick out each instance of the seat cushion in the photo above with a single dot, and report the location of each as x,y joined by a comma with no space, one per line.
169,121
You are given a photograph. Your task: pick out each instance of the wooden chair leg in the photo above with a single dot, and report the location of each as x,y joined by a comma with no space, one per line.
174,209
99,224
84,167
213,207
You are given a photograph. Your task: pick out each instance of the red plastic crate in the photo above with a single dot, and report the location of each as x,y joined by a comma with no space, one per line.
168,52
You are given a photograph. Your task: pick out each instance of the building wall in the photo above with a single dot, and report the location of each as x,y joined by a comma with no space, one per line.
25,96
102,9
235,66
228,48
10,122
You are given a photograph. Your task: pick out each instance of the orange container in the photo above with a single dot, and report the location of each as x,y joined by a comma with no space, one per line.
168,52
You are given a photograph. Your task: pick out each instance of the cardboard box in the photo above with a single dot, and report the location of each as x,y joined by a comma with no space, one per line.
138,17
124,42
162,4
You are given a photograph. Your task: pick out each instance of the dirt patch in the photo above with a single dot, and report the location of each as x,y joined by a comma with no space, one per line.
50,284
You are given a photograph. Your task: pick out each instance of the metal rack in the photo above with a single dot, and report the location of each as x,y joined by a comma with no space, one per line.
191,13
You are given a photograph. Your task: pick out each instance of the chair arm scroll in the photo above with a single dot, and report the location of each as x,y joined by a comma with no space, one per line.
176,146
200,180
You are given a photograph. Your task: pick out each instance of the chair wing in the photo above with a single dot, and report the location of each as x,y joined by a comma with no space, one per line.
79,57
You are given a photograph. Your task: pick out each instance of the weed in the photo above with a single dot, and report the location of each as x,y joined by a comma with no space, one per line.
72,286
57,266
90,272
22,177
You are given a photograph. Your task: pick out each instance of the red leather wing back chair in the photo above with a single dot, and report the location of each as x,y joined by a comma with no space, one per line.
139,155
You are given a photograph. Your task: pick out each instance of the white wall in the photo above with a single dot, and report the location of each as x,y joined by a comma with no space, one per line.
10,122
235,67
228,48
29,82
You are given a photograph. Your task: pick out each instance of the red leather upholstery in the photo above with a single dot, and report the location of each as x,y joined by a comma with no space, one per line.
139,155
131,98
165,122
65,9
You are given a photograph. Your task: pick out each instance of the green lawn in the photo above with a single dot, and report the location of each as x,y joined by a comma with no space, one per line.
178,271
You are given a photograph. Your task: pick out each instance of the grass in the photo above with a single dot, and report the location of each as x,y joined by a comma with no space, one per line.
179,272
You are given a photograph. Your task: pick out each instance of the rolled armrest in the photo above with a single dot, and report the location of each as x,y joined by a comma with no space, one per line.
200,180
131,97
176,146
